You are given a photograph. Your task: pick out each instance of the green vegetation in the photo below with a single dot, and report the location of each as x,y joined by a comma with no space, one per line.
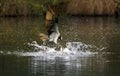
74,7
20,7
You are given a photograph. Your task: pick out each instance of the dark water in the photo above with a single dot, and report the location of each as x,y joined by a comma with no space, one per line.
102,58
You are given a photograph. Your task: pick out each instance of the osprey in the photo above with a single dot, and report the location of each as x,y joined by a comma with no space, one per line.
53,33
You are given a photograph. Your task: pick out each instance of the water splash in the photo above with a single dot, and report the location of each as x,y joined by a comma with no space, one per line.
72,50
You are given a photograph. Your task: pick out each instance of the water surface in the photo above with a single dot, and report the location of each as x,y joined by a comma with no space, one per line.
91,47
